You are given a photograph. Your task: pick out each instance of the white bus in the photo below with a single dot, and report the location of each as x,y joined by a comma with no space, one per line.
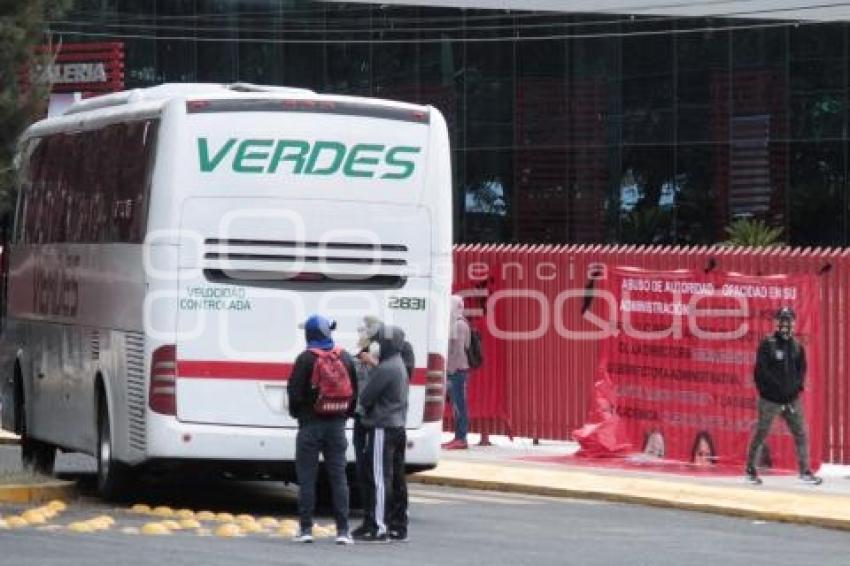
167,243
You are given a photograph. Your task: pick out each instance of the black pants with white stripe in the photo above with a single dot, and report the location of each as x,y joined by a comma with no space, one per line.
385,482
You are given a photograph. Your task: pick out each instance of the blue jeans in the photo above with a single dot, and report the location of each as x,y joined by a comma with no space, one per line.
457,396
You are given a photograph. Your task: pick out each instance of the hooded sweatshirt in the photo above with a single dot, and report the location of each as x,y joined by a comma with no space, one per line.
384,397
780,369
459,336
408,358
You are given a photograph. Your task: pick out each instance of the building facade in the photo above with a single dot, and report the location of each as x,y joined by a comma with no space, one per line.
566,127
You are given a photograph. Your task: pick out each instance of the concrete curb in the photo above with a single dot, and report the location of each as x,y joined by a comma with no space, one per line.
9,440
755,503
38,492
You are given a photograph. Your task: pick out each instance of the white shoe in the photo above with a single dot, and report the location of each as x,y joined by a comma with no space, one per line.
344,539
303,536
810,479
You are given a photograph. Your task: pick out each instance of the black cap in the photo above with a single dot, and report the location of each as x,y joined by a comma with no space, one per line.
785,313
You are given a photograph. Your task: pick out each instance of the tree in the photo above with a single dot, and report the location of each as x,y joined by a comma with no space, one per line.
754,233
23,26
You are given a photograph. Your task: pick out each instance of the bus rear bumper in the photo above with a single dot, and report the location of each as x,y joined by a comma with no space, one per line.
168,438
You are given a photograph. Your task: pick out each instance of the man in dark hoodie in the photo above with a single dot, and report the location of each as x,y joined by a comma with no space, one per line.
779,375
319,433
397,524
384,404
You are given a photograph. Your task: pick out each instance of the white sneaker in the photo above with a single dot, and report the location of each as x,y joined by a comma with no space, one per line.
810,479
344,539
303,536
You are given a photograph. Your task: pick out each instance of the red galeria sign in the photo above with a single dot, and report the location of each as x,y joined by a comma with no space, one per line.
83,67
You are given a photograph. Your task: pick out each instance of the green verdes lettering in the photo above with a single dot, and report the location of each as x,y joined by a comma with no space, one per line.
406,167
355,159
244,154
297,157
207,165
325,146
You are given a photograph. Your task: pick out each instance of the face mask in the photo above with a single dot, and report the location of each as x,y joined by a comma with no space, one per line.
785,331
362,338
375,350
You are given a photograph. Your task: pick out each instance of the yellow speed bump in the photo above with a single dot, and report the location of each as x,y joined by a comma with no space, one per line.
33,517
321,532
47,512
268,522
250,527
184,514
190,524
140,508
224,517
16,522
172,525
228,530
205,516
106,519
98,524
287,530
4,524
244,517
155,529
57,505
163,511
80,527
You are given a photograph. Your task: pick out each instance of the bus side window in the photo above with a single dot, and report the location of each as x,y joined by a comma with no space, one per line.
80,216
110,160
44,177
55,181
132,177
31,172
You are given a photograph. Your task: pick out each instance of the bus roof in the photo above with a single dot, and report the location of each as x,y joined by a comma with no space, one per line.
146,102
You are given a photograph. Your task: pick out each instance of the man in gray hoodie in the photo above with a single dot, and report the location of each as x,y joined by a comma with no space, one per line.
384,405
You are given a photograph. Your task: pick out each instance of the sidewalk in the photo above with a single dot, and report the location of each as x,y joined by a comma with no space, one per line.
8,438
506,467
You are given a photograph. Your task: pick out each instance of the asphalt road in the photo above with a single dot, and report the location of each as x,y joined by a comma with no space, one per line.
448,527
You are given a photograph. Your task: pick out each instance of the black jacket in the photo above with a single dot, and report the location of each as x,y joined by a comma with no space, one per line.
780,369
299,389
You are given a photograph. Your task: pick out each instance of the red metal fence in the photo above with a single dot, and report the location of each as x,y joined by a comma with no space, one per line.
519,294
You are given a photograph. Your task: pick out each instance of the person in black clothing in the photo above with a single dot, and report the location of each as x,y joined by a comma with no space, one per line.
779,374
319,434
384,411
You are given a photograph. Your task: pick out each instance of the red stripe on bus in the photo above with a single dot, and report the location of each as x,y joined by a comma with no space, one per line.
259,371
206,369
419,375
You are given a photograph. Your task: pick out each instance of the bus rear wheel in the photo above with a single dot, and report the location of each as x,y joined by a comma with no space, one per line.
112,475
36,456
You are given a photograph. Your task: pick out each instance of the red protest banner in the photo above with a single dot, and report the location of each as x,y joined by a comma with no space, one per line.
678,365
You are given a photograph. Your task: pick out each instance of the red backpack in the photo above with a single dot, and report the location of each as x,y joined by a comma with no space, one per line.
332,383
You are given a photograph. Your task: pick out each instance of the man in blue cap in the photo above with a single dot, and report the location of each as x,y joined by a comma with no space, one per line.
322,391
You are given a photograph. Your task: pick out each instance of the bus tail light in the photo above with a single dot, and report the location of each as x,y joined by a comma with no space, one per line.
162,394
435,389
